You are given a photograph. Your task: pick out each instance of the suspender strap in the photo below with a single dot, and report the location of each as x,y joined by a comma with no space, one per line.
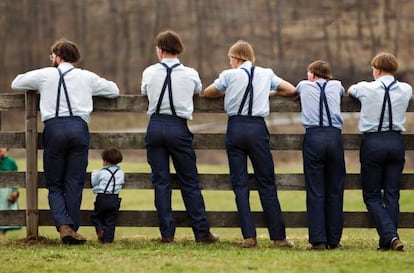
323,101
387,100
249,91
167,82
111,179
62,82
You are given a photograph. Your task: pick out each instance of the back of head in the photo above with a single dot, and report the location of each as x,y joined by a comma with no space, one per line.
112,155
386,62
320,69
170,42
242,50
66,50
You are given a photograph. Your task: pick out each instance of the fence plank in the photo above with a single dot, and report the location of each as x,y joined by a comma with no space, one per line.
31,166
145,218
138,103
292,182
31,140
202,141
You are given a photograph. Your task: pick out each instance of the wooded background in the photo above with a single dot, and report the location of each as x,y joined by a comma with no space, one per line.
116,36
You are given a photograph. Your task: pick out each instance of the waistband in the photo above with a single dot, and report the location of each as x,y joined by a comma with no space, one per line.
108,194
324,128
388,132
163,117
64,119
241,117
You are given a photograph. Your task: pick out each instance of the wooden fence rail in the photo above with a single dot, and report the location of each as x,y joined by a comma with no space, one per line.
31,179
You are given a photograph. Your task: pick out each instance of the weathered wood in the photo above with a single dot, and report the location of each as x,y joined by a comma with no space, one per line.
31,140
142,181
13,139
13,179
202,141
12,101
31,165
144,218
138,103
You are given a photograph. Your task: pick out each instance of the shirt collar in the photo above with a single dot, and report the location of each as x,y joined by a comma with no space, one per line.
65,66
170,61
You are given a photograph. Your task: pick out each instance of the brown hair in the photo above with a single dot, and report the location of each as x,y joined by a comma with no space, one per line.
386,62
170,42
112,155
66,50
241,50
320,69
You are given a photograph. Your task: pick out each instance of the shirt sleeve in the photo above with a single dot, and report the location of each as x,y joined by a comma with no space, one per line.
145,82
103,87
27,81
275,81
197,81
221,83
94,179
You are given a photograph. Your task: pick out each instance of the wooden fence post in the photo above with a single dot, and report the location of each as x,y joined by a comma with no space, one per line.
32,211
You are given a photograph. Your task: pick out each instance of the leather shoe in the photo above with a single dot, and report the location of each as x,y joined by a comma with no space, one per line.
167,239
210,238
249,242
317,246
69,236
100,234
285,243
397,245
337,246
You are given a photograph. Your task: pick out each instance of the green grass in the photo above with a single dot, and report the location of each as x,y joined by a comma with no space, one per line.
137,249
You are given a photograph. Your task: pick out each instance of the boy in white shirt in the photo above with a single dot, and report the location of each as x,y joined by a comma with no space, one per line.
107,183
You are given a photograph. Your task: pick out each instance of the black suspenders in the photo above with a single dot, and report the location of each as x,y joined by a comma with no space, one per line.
111,179
387,100
62,82
167,82
249,91
323,101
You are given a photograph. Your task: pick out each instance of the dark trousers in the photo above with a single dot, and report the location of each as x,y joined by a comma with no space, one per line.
168,136
65,159
249,137
324,169
382,158
104,215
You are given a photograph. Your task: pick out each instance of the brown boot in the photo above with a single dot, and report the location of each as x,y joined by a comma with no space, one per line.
210,238
70,237
397,245
283,244
100,234
249,242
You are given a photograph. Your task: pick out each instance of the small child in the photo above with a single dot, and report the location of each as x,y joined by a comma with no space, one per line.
107,183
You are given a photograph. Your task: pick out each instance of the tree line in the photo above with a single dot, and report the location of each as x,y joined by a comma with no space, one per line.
116,37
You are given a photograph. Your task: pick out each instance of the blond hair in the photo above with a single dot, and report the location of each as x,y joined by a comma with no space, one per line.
242,50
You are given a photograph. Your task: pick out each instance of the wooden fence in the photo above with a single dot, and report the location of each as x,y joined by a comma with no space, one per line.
31,179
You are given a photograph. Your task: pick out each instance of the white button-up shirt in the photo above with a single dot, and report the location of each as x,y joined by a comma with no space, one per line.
185,82
310,95
234,83
371,95
81,85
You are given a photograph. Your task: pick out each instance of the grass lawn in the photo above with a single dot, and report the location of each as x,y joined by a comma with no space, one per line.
138,249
